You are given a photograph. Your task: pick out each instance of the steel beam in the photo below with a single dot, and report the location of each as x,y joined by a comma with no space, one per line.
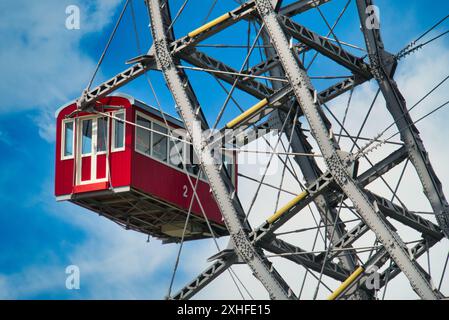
205,277
378,260
396,105
109,86
309,167
202,60
300,6
325,47
401,214
337,164
382,167
233,17
274,284
308,260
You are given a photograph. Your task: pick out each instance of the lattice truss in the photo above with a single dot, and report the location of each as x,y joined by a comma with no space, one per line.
350,182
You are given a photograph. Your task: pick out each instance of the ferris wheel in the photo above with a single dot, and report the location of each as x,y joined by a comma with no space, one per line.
343,167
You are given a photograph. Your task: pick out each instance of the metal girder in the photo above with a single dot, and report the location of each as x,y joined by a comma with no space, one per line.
301,6
234,16
417,251
378,260
339,88
318,187
170,36
308,260
401,214
225,198
382,167
148,62
387,207
324,96
311,173
378,170
333,158
202,60
394,211
325,47
234,131
396,105
116,82
309,167
349,238
271,62
205,277
375,262
264,233
263,66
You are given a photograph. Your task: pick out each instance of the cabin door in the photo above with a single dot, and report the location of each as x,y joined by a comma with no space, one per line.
93,137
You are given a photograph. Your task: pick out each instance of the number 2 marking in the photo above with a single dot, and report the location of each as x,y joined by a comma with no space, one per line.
186,191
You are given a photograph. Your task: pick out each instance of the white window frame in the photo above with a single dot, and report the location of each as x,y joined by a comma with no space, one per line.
63,132
114,114
95,145
146,117
94,153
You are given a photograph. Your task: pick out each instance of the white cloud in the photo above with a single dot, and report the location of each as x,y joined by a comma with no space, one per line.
42,59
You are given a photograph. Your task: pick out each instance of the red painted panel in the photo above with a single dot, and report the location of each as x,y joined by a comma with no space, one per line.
64,175
120,161
101,166
91,187
171,185
86,170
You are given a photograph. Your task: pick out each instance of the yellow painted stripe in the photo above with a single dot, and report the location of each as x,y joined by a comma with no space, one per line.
287,207
209,25
247,113
346,283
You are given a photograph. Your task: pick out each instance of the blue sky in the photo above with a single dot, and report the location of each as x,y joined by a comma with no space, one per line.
44,65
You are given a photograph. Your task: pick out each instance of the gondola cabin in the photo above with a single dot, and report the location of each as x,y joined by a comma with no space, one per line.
122,164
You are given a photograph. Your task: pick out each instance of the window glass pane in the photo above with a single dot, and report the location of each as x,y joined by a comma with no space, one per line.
228,162
86,140
192,165
160,142
119,132
102,134
176,152
68,139
143,136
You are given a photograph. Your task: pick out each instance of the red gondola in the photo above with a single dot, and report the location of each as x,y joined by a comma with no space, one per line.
130,171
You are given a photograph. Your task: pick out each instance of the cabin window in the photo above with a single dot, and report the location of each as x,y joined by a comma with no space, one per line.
68,139
160,142
177,151
143,136
86,138
228,162
118,129
102,134
192,164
